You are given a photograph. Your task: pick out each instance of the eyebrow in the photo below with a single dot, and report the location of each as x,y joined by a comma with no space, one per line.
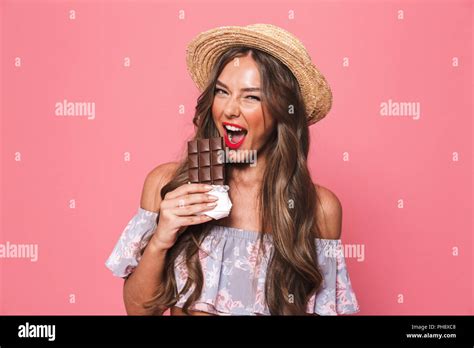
248,89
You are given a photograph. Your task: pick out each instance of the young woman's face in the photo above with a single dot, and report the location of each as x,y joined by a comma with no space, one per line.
237,103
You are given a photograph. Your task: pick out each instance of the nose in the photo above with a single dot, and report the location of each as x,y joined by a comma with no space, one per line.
232,108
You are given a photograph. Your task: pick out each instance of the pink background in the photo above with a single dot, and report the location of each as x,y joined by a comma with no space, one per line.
407,251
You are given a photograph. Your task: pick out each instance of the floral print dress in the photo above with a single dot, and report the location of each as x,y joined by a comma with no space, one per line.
234,269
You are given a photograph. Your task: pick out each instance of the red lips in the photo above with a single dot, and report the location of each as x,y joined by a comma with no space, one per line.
239,135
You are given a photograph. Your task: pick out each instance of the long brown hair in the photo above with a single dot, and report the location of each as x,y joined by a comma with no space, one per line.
287,198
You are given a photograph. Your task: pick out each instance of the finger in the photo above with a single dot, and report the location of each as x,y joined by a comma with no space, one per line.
188,188
192,209
189,199
195,220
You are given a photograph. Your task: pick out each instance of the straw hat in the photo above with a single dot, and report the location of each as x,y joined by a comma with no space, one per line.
206,48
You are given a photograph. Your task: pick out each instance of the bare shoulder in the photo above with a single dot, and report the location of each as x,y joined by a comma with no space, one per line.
329,213
163,172
154,181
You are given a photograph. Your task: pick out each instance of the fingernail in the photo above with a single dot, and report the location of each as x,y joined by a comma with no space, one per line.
211,204
214,198
208,187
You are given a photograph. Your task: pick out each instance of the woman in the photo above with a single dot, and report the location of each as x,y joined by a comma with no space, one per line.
278,252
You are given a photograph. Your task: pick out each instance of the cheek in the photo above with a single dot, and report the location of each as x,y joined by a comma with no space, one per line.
218,104
215,108
261,129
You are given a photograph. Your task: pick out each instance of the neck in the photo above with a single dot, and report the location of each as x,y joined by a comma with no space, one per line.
247,175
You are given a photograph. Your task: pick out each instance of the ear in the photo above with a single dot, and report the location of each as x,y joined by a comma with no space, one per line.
329,213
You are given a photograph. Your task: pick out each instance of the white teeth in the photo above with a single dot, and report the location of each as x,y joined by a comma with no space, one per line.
232,128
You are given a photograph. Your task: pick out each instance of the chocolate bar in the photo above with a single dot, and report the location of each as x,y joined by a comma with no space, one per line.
206,163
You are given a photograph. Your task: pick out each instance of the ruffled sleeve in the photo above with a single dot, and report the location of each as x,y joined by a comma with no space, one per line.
127,252
336,295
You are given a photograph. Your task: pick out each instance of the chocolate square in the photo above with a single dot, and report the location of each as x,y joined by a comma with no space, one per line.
206,163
